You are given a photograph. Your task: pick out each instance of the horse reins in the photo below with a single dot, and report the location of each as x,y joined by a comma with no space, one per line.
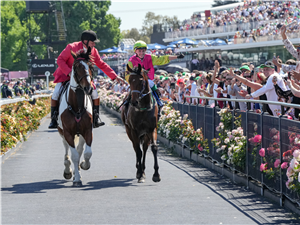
79,94
142,95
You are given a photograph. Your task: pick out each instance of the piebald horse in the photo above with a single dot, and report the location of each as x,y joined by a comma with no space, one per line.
140,120
75,122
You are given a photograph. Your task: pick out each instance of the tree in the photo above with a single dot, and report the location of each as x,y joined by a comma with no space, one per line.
149,21
79,16
223,2
85,15
135,34
15,34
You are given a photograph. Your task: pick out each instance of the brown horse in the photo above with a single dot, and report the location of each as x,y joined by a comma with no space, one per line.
140,120
75,117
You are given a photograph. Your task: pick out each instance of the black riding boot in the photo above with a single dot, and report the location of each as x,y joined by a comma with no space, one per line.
53,124
96,117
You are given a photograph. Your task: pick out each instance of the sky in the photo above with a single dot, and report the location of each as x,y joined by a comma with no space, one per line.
132,13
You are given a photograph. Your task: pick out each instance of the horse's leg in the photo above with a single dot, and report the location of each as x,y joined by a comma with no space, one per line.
85,164
146,143
138,152
67,162
156,176
75,159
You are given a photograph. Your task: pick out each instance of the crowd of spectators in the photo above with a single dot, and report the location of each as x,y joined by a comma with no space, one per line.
264,18
113,56
18,88
271,81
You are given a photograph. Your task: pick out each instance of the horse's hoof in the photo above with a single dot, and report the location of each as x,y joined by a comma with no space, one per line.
85,167
67,175
138,176
77,184
141,180
156,178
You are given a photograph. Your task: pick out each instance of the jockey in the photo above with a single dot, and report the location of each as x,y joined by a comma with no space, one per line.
63,72
147,61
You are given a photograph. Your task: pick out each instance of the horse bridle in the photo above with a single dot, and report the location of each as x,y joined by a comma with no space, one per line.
143,89
86,75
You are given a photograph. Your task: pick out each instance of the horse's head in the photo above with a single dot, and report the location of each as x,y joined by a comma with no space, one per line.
138,81
83,70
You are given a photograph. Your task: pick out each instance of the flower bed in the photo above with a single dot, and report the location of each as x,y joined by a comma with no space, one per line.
18,119
231,143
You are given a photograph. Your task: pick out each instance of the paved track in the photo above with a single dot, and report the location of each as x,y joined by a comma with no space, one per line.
35,192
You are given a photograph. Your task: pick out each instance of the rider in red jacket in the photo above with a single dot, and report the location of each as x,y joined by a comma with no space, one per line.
65,62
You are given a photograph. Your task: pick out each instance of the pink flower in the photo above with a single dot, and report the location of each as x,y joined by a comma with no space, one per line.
263,167
284,165
262,152
277,163
257,138
200,148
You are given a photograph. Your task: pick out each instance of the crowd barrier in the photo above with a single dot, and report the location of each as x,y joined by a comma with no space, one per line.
219,29
5,101
276,133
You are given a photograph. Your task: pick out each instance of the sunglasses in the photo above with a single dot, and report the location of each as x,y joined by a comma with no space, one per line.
180,83
228,78
247,76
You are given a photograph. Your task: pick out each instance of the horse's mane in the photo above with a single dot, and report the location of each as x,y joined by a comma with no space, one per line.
143,71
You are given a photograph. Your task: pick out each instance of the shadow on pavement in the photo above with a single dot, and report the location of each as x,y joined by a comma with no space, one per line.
36,187
107,184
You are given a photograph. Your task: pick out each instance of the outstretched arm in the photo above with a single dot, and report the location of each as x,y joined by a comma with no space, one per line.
294,90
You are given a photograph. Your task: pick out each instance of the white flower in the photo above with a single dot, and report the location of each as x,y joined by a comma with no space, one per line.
223,147
218,150
223,157
293,163
228,161
226,141
198,139
228,133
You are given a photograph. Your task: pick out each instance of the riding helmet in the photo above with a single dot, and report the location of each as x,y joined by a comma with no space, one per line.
89,35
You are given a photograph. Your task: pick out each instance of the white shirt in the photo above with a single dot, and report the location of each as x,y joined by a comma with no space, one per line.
269,90
116,88
193,90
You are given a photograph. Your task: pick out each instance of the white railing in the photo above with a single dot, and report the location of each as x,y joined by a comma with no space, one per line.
247,100
219,29
5,101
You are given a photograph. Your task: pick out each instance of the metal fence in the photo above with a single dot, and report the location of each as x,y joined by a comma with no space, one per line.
278,135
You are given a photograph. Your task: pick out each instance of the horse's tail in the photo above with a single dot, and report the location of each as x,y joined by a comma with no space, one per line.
76,140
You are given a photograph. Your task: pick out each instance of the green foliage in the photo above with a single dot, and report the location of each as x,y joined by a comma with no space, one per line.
85,15
19,118
79,16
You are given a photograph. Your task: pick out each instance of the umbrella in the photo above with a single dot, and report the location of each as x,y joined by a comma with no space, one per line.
172,68
112,50
218,41
186,41
156,46
171,46
160,72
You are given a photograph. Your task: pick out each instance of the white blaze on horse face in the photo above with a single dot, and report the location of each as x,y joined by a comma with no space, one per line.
73,83
87,69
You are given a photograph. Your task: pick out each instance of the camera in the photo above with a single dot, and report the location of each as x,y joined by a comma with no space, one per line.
279,26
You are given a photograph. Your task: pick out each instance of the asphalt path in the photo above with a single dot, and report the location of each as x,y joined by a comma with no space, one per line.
35,192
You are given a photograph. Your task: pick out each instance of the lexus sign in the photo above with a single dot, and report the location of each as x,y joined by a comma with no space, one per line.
40,66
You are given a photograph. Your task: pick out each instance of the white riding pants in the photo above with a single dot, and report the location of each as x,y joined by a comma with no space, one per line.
55,94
